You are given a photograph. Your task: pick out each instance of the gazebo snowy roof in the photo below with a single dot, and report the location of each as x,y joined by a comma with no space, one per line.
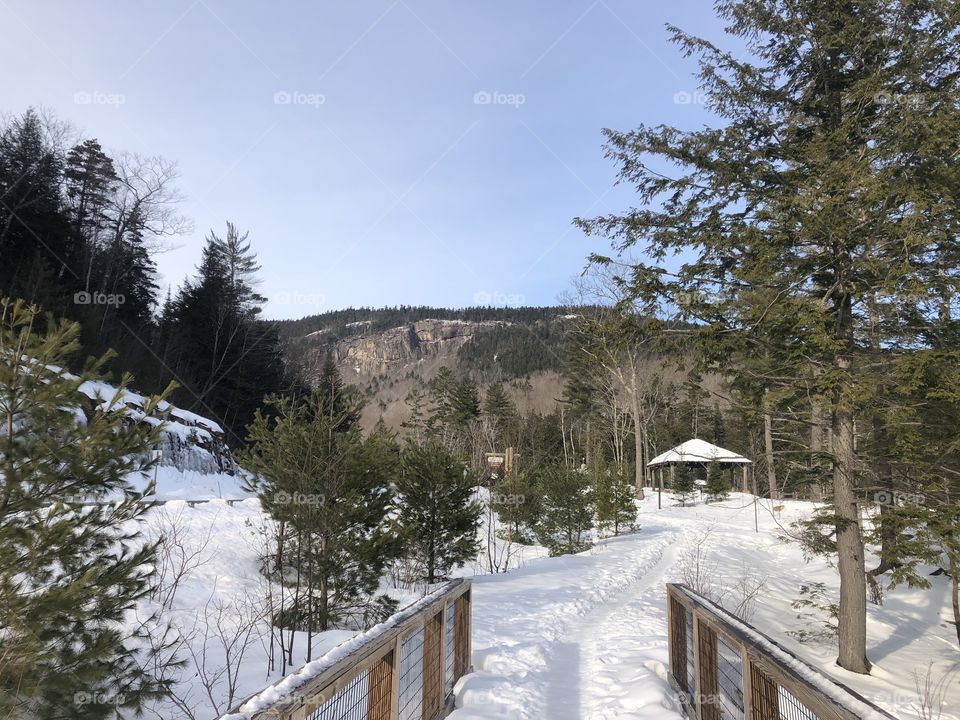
698,451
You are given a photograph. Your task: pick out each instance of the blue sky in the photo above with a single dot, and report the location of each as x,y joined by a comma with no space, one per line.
379,152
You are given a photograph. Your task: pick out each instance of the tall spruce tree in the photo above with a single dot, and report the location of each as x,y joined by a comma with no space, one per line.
70,571
36,243
437,516
821,204
229,358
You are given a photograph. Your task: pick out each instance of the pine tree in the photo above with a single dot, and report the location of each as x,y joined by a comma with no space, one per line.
416,423
437,517
568,509
338,400
330,491
36,244
70,572
500,413
684,485
813,214
518,504
718,487
614,498
90,180
230,359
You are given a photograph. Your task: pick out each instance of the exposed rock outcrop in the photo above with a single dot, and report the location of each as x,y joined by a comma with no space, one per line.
390,350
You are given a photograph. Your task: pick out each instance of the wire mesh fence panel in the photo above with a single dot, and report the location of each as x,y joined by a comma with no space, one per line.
729,681
691,667
448,648
411,676
404,669
792,709
724,669
350,703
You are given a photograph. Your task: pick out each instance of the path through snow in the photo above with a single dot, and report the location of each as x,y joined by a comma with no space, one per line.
584,637
601,652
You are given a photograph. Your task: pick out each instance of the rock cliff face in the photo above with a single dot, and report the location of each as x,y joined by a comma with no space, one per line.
392,350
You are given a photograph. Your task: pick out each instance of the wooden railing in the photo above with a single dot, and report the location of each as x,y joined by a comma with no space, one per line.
403,669
724,669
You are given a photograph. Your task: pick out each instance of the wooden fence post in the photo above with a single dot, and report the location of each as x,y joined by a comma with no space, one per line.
461,639
696,690
708,685
745,665
395,679
432,666
380,686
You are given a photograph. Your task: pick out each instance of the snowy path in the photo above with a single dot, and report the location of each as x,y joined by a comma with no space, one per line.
584,637
602,651
624,650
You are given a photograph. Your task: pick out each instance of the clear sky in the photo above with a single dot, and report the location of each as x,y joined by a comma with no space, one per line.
380,152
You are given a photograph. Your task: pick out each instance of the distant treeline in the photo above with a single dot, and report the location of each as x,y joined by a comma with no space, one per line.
340,323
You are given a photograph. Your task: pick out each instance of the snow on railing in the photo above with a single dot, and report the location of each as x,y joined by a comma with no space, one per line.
403,668
724,668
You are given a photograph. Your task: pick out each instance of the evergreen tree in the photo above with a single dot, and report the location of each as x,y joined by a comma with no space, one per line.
718,487
614,498
437,517
36,248
338,400
230,358
684,485
70,573
568,509
90,181
329,491
501,416
518,504
497,403
814,215
416,424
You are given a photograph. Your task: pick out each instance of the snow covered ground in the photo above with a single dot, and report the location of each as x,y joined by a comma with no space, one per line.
584,636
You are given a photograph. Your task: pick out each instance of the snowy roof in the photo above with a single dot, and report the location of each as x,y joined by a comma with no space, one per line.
698,451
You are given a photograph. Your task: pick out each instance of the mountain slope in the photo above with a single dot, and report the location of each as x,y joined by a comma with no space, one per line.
389,352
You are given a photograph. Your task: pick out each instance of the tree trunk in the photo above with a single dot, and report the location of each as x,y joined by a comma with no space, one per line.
955,586
768,449
850,554
637,440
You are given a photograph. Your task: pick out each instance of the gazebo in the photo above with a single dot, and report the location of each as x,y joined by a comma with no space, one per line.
699,452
